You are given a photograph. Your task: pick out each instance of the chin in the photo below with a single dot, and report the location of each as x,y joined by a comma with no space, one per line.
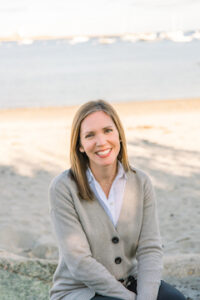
108,163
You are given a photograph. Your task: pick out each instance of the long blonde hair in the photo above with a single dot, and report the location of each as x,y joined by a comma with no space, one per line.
79,161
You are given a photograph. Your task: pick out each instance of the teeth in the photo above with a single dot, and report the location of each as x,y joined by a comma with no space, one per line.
103,152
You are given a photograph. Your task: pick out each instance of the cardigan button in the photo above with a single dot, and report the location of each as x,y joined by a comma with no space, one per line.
118,260
115,240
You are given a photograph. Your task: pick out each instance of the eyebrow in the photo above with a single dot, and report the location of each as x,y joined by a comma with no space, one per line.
106,127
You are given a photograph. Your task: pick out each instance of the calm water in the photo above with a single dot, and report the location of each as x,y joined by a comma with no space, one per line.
54,73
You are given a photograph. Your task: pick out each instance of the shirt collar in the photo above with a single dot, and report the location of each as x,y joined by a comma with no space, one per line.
120,173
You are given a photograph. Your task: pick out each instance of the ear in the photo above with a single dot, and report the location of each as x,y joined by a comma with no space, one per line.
81,149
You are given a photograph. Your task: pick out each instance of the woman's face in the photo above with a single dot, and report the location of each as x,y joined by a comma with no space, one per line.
99,140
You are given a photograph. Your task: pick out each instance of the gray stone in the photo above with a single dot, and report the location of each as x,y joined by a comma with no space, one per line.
30,279
45,248
25,279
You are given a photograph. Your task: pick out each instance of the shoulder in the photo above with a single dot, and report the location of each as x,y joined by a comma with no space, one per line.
62,187
60,180
144,183
139,174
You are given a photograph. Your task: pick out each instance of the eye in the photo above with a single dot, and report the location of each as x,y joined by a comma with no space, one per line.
89,135
107,130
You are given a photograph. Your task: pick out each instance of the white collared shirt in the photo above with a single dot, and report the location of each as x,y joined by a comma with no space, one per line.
113,203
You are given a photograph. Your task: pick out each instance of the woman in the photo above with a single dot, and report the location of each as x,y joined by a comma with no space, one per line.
104,215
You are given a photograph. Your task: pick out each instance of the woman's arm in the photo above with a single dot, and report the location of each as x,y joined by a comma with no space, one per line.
75,248
149,253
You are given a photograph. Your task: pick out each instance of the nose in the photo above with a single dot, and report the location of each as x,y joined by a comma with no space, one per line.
100,140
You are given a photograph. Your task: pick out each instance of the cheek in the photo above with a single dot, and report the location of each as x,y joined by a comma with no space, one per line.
88,147
116,139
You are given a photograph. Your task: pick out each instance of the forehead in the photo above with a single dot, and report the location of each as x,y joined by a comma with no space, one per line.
96,120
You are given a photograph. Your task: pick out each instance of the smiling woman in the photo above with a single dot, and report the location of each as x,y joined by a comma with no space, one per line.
105,217
99,140
96,125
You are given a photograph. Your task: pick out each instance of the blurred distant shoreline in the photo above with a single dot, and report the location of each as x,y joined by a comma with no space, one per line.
125,108
175,36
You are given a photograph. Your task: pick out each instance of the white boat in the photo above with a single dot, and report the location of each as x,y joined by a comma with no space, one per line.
78,39
149,37
176,36
106,40
129,37
25,42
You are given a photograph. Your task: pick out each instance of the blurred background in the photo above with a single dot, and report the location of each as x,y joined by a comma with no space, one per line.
55,53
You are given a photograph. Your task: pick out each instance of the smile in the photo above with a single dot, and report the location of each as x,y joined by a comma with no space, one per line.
104,153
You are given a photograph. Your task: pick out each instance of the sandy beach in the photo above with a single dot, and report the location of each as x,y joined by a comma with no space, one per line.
163,140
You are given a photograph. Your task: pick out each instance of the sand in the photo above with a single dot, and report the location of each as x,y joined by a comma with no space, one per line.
163,140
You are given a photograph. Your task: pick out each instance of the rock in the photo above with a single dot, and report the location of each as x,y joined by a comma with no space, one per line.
30,279
45,248
25,279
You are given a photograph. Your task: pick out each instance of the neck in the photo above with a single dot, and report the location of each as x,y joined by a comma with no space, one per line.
105,175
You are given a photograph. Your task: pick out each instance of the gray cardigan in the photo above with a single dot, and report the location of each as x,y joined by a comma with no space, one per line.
90,260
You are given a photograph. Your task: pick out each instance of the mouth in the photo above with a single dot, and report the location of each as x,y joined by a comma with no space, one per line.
103,153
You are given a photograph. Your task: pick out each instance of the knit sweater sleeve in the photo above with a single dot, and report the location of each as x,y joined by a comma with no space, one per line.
75,248
149,251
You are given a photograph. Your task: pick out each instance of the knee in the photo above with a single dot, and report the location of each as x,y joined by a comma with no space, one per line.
168,292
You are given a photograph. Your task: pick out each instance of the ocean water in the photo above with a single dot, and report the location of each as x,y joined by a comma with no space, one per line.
56,73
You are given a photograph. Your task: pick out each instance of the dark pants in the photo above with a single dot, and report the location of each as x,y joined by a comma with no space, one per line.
166,292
